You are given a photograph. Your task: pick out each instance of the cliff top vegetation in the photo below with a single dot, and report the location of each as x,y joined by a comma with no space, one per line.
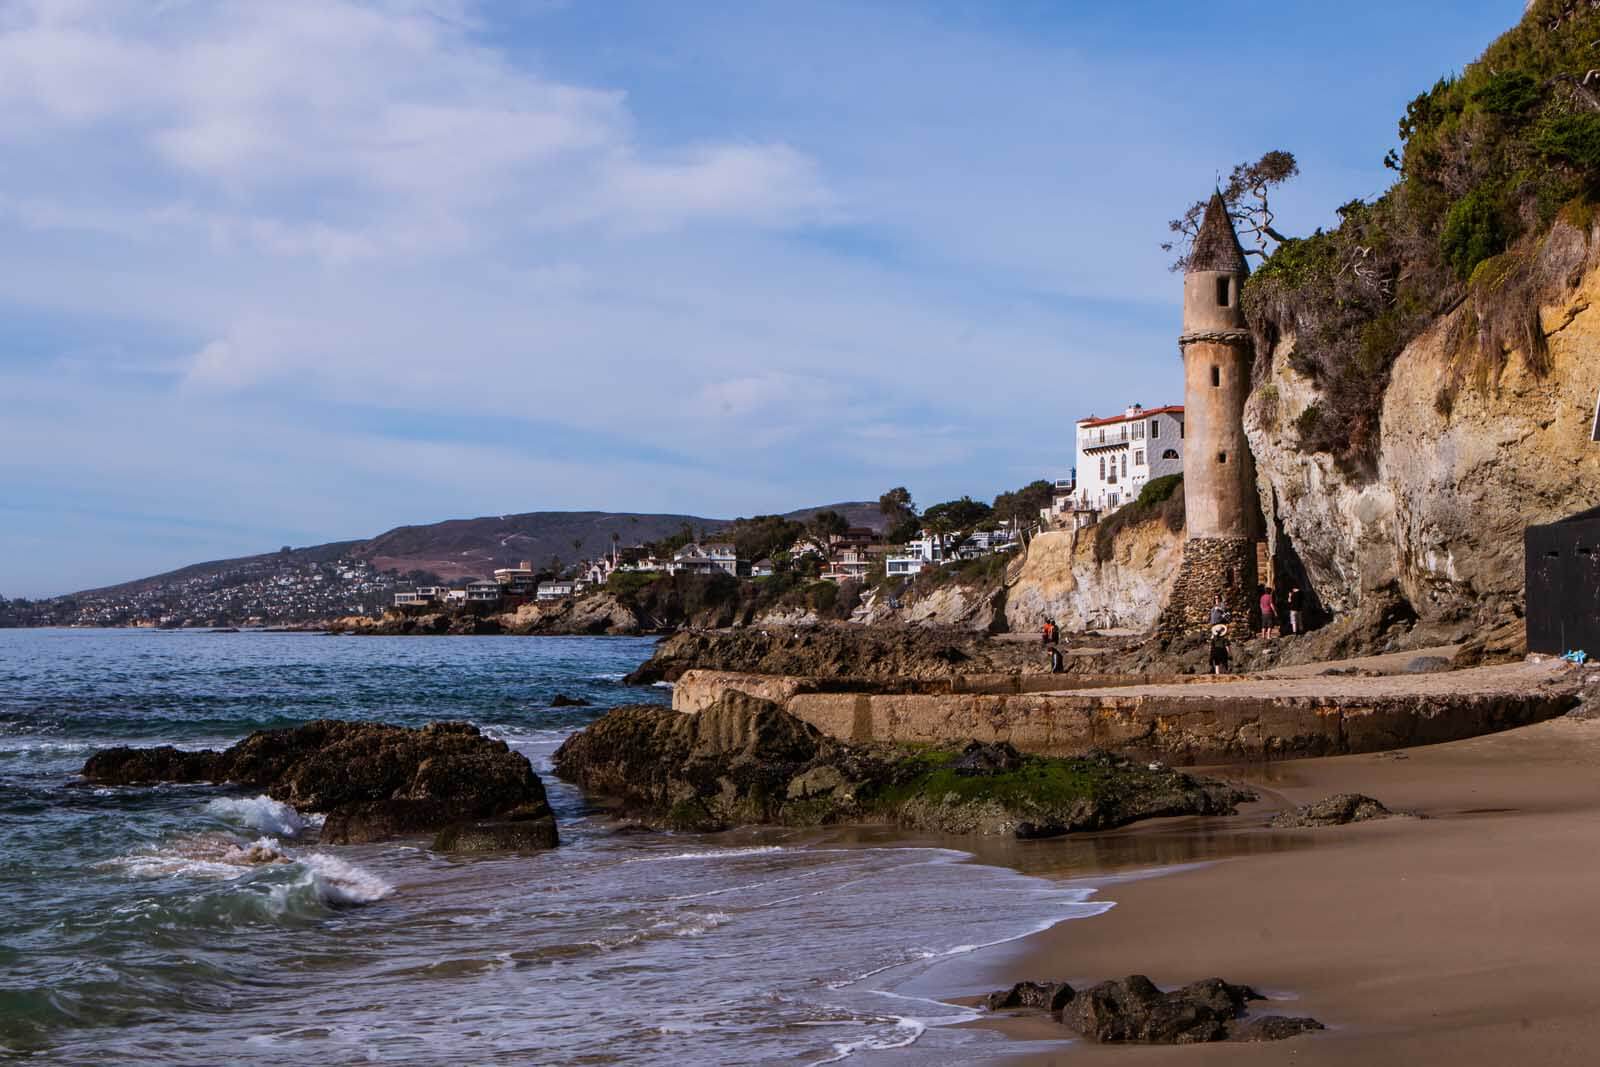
1491,164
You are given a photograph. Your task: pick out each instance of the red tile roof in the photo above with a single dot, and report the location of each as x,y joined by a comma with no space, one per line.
1170,409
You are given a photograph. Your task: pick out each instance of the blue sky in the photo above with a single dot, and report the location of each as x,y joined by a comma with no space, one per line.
303,271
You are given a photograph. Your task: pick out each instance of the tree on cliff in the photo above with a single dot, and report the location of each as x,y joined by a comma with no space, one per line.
1024,504
896,506
964,514
1247,196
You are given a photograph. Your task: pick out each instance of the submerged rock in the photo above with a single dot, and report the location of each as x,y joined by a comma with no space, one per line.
1336,810
561,700
372,780
1133,1010
744,760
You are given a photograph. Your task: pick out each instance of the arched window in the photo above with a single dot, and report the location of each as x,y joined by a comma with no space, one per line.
1102,468
1171,453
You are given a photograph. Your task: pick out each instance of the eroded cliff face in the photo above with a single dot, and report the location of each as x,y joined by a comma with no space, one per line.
1442,517
1060,579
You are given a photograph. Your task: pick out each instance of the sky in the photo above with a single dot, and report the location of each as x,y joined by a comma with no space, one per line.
301,271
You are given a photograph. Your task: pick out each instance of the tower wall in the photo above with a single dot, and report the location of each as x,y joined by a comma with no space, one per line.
1219,478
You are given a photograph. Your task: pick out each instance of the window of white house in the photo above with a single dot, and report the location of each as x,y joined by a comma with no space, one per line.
1124,464
1155,429
1102,467
1171,453
1138,458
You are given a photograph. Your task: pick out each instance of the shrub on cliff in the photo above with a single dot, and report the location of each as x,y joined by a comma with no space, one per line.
1161,498
1489,161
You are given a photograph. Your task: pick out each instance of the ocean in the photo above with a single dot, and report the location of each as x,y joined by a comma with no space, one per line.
133,927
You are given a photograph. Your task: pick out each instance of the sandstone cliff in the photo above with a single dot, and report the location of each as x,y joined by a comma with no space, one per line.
1061,579
1440,521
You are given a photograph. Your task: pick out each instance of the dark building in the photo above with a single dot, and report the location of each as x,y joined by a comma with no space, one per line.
1563,584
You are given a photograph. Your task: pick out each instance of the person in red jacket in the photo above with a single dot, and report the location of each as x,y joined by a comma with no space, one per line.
1269,613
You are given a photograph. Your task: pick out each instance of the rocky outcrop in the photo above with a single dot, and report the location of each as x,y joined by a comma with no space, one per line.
1061,579
743,760
598,613
1133,1010
1336,810
836,651
1440,519
372,780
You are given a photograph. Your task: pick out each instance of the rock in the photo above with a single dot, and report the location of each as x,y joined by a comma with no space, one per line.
1428,665
1272,1028
498,835
978,758
1044,996
1133,1010
742,760
1336,810
561,700
372,780
145,766
818,781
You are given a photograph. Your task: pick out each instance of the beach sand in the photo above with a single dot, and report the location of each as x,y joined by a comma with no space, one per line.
1469,937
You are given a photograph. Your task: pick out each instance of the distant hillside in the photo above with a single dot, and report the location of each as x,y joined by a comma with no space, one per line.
463,548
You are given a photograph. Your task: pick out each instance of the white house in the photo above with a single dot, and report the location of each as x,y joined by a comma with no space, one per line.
516,581
706,559
556,590
481,592
927,550
762,568
1116,456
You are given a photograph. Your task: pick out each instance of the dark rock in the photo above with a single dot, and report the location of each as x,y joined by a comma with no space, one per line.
1272,1028
372,780
745,760
1044,996
498,835
561,700
144,766
1336,810
1428,665
978,758
1133,1010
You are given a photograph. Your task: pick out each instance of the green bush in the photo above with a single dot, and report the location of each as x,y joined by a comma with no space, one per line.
1510,93
1158,500
1472,232
1158,489
1573,139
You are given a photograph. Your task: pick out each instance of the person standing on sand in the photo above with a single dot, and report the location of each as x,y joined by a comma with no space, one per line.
1294,599
1219,649
1219,611
1055,660
1269,613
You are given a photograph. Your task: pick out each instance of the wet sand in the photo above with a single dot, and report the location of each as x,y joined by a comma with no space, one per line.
1469,937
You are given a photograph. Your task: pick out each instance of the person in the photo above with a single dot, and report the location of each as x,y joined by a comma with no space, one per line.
1269,613
1219,611
1044,634
1055,660
1295,597
1219,649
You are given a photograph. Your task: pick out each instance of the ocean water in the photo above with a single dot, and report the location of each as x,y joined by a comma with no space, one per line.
205,925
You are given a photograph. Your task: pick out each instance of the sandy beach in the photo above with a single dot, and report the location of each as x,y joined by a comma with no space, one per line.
1471,936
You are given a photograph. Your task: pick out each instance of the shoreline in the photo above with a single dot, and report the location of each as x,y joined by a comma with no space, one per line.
1465,935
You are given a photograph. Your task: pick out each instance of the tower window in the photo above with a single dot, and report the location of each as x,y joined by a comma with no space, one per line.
1216,376
1222,457
1222,292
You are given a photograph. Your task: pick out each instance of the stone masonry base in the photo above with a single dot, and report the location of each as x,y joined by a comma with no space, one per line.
1213,565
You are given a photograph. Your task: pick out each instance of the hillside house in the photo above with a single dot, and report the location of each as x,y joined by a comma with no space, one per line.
483,592
927,550
706,559
517,581
558,589
762,568
1118,455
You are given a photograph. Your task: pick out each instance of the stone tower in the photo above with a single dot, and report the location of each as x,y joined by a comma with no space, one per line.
1219,482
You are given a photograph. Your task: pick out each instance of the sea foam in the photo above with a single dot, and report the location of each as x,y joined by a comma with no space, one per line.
259,813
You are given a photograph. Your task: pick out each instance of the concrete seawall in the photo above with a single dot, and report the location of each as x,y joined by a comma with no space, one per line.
1179,722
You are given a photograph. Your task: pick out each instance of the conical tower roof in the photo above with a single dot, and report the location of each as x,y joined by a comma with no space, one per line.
1216,246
